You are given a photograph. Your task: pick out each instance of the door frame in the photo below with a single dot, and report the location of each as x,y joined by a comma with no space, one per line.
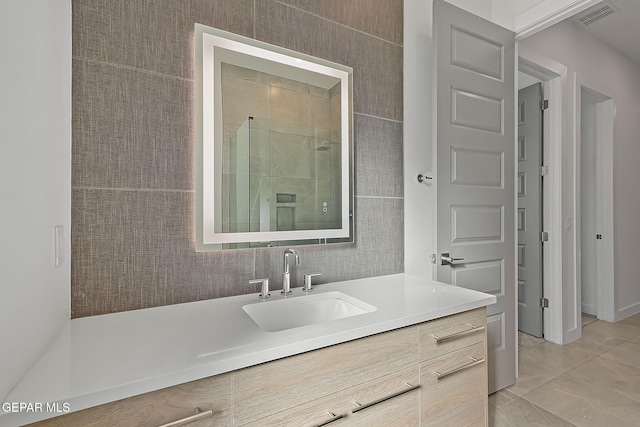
554,78
562,320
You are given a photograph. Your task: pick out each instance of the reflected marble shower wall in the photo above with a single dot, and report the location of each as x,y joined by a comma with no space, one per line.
281,154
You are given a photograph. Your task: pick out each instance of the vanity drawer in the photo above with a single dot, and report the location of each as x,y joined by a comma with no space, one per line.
460,392
382,402
159,407
388,401
314,413
450,333
262,390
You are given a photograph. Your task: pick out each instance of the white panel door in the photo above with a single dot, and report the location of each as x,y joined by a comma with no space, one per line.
475,140
529,218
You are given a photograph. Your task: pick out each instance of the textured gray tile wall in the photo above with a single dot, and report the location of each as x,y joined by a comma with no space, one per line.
133,146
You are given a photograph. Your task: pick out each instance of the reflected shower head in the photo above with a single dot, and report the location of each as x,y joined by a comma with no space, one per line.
324,147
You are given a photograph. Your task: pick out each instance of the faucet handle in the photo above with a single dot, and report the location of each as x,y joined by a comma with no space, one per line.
264,293
307,281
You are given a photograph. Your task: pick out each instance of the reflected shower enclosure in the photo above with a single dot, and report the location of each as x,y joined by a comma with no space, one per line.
281,165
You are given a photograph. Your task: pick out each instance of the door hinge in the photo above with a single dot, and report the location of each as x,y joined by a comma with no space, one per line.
544,236
544,170
544,104
544,302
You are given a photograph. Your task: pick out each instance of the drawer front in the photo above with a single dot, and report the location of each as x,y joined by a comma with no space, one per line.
452,332
392,400
383,402
473,414
323,411
262,390
455,383
159,407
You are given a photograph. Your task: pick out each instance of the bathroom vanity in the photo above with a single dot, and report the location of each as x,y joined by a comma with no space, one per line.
418,358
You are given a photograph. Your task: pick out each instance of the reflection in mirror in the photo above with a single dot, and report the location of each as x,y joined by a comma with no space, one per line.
274,152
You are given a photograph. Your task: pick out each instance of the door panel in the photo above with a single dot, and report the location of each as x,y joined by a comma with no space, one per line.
486,276
476,167
476,224
475,143
476,111
475,53
529,210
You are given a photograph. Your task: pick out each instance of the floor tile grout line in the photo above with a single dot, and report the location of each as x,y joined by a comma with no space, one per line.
607,390
597,385
538,407
597,352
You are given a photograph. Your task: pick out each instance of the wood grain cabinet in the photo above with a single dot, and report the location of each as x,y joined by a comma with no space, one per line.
263,390
160,407
428,374
453,371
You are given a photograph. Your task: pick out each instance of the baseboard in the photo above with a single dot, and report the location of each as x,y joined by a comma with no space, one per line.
627,311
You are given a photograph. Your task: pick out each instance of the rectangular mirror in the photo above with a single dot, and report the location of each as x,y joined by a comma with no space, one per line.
274,149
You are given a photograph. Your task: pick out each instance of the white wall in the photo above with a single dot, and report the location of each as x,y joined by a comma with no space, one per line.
616,76
419,199
35,179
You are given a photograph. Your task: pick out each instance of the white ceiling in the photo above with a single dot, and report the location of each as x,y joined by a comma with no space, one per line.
620,30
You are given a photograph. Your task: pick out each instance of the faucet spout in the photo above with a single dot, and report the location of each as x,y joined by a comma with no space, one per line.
286,276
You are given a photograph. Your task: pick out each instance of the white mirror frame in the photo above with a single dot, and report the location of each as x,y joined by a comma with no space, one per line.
211,46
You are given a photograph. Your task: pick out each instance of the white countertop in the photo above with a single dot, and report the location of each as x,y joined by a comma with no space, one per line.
104,358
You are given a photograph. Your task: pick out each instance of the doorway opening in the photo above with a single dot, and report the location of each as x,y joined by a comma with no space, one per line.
594,158
534,67
530,113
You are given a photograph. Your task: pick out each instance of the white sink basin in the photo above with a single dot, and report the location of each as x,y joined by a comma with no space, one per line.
273,316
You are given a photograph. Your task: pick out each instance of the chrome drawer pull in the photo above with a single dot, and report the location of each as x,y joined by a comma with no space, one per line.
384,399
471,364
457,334
197,416
333,416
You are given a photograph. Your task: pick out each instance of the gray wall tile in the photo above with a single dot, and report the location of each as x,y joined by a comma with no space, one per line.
155,35
380,18
131,128
135,249
378,157
133,220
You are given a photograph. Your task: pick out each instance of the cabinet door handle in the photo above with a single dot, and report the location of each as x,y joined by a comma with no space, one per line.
471,364
384,399
195,417
457,334
334,418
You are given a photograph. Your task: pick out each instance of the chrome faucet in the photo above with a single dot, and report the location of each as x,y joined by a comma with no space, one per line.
286,278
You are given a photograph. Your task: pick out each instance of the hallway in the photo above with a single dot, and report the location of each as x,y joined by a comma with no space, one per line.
594,381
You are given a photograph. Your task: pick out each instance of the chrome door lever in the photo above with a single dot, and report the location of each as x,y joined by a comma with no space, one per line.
448,260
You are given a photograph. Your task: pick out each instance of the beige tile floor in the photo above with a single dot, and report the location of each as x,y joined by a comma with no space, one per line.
594,381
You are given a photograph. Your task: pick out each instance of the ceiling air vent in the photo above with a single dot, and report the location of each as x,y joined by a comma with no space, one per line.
596,12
